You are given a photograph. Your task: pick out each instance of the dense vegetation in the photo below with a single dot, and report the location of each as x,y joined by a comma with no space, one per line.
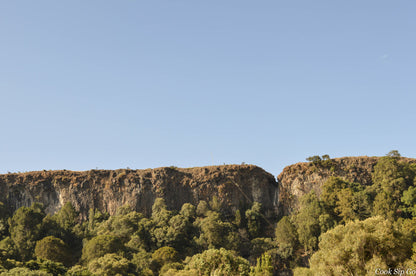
193,240
348,229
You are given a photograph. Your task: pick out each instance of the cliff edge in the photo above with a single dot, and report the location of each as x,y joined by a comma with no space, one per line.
236,186
301,178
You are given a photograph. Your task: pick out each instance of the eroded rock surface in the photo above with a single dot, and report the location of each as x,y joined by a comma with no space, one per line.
301,178
235,186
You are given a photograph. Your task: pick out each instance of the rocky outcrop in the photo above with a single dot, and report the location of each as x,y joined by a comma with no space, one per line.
235,186
301,178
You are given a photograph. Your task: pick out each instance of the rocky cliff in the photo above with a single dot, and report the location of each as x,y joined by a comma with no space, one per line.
301,178
235,186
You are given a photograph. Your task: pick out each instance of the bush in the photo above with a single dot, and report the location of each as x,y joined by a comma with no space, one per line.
111,264
218,262
99,246
164,255
314,159
53,249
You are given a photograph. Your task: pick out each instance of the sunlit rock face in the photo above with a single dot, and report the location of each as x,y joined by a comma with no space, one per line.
235,186
301,178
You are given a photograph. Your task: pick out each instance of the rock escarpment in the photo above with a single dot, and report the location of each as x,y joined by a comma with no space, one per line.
301,178
235,186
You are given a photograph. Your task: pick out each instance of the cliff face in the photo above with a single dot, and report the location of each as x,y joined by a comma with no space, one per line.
235,186
301,178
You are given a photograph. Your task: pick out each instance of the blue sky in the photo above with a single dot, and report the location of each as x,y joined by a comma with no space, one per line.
144,84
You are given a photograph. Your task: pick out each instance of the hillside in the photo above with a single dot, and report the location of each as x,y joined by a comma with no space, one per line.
236,186
299,179
229,220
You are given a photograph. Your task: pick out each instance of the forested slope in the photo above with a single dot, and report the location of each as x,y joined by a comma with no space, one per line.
344,216
299,179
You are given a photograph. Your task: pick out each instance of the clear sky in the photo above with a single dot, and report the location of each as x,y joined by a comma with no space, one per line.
144,84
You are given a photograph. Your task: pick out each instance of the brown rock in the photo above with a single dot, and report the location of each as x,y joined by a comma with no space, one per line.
301,178
235,186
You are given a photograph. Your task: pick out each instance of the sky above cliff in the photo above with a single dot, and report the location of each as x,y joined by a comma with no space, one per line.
144,84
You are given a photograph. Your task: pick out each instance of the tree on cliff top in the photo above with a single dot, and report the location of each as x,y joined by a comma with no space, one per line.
314,159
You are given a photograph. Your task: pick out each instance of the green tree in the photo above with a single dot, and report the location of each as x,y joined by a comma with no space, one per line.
218,262
325,157
409,201
330,190
4,215
175,232
180,232
181,272
202,208
99,246
303,271
8,249
54,249
160,213
144,238
351,205
160,216
391,177
360,247
171,267
20,271
263,266
63,225
238,220
215,204
385,206
188,211
215,233
164,255
394,154
95,217
345,201
259,246
255,220
25,226
66,217
143,262
286,237
49,266
111,265
78,270
314,159
387,170
308,222
123,224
